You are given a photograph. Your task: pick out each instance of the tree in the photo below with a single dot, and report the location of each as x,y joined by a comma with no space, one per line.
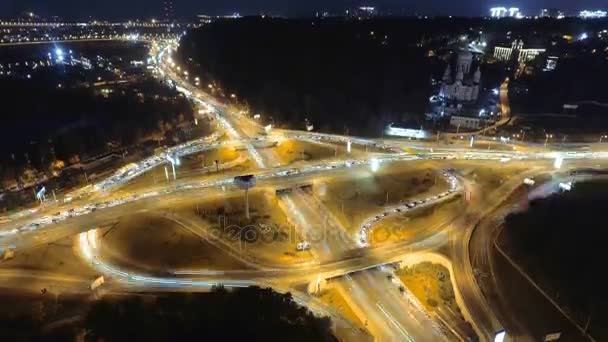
227,315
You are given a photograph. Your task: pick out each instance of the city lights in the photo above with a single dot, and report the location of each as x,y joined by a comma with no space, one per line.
374,164
587,14
460,161
559,160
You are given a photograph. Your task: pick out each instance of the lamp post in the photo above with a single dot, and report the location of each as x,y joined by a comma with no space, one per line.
174,161
547,137
245,183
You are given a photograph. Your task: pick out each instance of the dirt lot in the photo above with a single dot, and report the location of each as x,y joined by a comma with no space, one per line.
430,283
352,201
266,236
152,242
291,151
416,224
58,257
332,297
192,166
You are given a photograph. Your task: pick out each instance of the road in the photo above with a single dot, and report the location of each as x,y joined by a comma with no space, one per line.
341,256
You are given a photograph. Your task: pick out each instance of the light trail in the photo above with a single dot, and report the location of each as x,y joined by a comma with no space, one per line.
88,249
394,322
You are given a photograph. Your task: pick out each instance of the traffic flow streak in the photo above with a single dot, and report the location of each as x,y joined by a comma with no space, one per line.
313,218
348,259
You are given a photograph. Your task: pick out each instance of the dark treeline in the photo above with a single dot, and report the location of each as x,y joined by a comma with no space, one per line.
240,315
560,241
77,121
354,76
579,79
341,74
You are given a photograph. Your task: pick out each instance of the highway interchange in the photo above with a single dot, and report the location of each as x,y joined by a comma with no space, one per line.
345,257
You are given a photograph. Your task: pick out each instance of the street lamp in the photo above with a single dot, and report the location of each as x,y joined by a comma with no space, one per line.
173,161
547,137
245,183
374,164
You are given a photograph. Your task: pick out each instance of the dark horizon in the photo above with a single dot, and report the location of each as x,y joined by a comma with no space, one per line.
142,9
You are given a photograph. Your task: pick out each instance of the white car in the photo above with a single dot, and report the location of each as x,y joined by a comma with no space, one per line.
303,246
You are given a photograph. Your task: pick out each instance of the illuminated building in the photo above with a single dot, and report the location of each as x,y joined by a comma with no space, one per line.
502,12
516,50
363,12
552,13
461,84
406,132
592,14
465,122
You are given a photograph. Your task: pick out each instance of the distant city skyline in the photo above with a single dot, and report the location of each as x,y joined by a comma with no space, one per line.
119,9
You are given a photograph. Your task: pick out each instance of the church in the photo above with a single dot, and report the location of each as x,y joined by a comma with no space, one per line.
461,85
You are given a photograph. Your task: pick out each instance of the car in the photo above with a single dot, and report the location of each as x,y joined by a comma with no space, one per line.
411,205
398,210
303,246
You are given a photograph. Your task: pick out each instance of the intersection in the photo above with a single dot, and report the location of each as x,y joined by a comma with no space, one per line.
344,256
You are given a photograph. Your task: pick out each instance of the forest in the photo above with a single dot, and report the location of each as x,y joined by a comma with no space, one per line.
251,313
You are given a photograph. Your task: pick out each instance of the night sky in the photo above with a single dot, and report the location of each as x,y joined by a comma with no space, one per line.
116,9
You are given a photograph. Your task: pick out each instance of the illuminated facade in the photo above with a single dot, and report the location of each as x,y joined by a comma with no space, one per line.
516,50
406,132
592,14
503,12
465,122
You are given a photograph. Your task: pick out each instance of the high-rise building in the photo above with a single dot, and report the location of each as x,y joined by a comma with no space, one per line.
551,13
168,10
502,12
362,12
586,14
